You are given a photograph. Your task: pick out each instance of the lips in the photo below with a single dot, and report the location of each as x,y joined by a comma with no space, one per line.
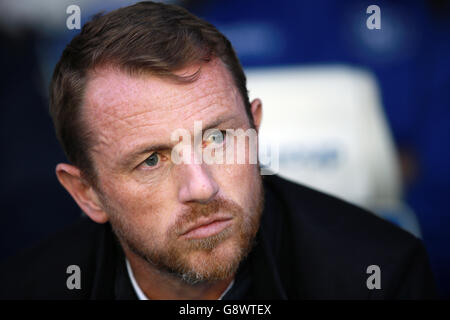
207,227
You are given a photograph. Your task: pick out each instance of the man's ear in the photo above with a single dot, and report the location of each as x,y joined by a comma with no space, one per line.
83,193
256,108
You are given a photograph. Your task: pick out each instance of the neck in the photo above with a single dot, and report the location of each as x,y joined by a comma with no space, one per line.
171,287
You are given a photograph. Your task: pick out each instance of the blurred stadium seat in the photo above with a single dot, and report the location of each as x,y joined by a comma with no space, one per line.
332,135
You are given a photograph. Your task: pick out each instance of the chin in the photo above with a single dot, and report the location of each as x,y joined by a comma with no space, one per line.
218,263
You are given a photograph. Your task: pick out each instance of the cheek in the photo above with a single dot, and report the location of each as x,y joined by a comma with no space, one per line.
141,207
238,181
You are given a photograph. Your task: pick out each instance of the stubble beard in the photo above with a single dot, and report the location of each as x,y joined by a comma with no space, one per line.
202,260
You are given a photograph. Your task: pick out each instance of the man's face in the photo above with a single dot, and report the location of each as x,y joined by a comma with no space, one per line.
153,203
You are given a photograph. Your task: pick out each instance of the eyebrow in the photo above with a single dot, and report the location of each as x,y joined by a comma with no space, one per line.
129,158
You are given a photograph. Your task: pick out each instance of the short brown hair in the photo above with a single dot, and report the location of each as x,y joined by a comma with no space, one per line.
148,37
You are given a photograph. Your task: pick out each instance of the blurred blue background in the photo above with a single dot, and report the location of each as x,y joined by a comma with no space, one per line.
409,55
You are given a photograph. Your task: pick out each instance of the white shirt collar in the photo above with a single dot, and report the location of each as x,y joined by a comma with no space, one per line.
141,295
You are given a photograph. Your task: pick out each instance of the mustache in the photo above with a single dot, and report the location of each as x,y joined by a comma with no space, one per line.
194,211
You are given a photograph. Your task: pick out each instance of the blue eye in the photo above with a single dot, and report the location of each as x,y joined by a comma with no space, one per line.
152,160
216,137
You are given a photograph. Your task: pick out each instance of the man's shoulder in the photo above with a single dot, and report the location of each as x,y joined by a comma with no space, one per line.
42,271
333,243
312,209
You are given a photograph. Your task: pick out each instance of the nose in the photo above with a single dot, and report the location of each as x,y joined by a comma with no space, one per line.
196,183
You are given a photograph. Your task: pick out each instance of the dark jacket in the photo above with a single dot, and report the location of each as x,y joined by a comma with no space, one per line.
310,246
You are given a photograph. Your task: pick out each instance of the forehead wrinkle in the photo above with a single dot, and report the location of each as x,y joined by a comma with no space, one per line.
115,112
163,107
206,113
128,121
151,115
149,118
111,105
228,98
